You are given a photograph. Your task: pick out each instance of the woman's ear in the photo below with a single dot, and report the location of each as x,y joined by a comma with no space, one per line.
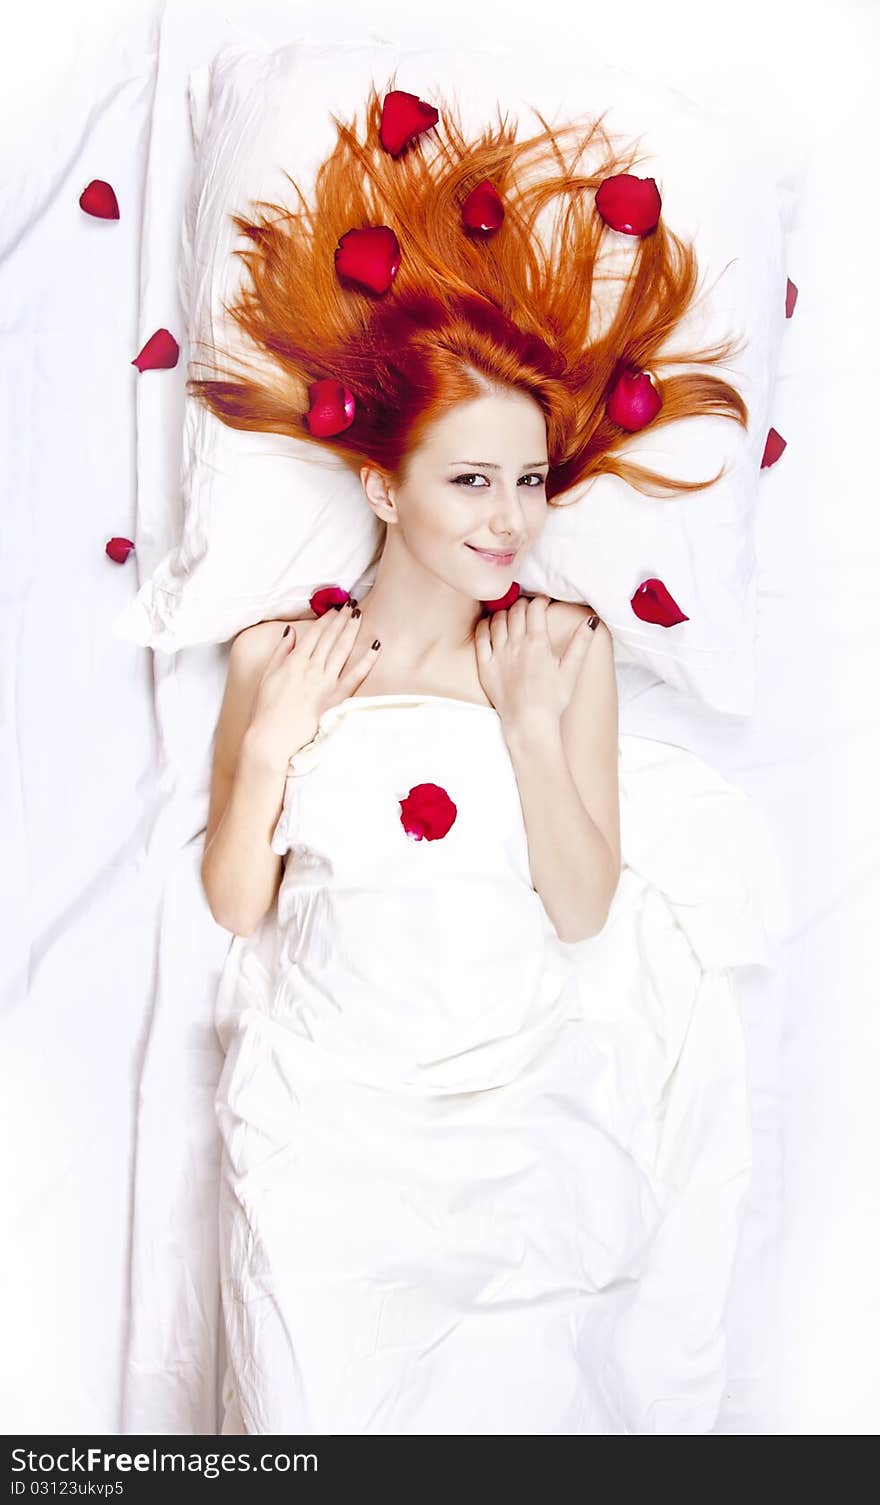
378,492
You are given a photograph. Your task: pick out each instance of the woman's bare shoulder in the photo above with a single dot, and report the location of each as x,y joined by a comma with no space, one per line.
563,619
253,645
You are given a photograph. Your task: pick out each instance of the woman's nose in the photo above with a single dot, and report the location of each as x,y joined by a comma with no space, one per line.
509,515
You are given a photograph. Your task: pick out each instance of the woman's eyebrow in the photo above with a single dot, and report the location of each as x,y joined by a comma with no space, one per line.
488,465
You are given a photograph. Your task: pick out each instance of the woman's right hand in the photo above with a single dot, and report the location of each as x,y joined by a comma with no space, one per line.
302,680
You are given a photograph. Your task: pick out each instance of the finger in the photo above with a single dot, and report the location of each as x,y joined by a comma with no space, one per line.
329,631
537,607
545,615
578,644
343,644
361,667
286,641
498,628
517,620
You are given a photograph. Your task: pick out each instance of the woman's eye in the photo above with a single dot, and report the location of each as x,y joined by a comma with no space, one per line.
475,476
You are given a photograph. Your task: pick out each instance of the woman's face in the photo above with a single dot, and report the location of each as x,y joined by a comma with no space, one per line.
476,482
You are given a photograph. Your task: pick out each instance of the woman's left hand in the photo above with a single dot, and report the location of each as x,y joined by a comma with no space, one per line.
518,667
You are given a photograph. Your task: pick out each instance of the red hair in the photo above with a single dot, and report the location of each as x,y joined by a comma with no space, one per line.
464,314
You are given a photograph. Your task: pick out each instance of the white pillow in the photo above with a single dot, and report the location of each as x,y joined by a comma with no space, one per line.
269,519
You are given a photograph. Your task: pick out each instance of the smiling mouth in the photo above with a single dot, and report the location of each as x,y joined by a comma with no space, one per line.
497,554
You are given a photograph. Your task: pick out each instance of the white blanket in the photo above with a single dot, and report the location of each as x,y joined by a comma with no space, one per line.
475,1180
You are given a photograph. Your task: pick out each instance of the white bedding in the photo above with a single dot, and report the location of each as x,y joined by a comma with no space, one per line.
110,1059
476,1180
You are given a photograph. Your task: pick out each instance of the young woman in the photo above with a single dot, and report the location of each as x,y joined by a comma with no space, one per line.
420,629
426,782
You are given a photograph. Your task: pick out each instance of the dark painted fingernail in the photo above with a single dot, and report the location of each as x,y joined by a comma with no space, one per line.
594,622
377,644
356,612
286,631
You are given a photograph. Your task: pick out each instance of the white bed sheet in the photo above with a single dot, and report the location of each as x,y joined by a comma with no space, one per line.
111,957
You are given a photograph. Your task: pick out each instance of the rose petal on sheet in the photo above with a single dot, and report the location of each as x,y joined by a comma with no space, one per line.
652,602
161,352
98,199
772,449
427,812
118,549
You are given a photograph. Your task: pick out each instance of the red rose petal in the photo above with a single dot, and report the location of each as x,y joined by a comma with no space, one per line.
772,449
629,204
327,597
368,257
99,199
404,116
331,408
634,401
160,353
791,297
482,209
653,603
427,813
118,549
501,603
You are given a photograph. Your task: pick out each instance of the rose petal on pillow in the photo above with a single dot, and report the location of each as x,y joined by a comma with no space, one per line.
427,812
791,297
326,598
501,603
118,549
634,401
368,257
482,209
653,603
629,204
98,198
772,449
160,353
331,408
404,116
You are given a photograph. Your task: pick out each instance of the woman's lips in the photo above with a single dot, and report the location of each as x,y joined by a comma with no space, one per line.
500,559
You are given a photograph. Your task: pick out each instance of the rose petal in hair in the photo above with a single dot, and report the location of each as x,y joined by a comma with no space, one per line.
653,603
331,408
634,401
368,257
99,199
482,209
629,204
404,116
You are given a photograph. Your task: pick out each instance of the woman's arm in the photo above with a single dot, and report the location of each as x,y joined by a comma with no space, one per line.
240,872
567,774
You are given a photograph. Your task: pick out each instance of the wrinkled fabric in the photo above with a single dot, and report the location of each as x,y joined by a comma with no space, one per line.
474,1179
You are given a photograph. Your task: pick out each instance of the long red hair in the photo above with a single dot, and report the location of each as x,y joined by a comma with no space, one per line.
464,313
